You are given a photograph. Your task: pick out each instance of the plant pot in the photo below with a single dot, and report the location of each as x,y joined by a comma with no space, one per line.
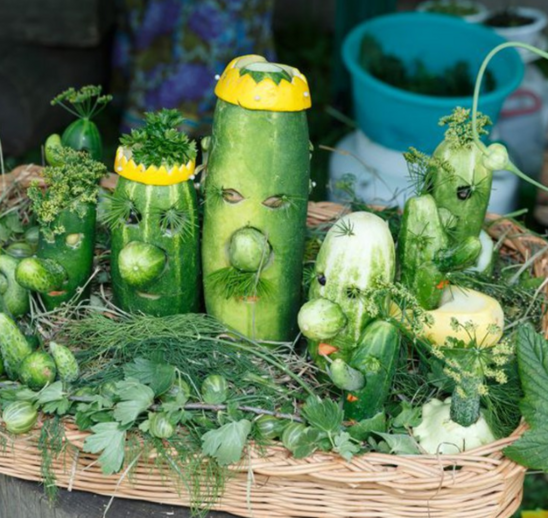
456,8
397,118
530,33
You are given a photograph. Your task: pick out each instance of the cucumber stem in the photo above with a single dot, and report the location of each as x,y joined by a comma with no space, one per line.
511,44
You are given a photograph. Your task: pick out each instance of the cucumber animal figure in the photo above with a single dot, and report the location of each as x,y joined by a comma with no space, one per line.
66,213
256,193
345,338
154,220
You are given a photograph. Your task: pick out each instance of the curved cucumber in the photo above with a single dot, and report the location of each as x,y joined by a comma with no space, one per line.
376,358
14,299
67,366
257,176
166,255
83,135
13,345
345,377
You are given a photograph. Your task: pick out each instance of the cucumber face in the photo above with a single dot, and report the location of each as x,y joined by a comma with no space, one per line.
257,176
73,251
357,253
464,193
163,221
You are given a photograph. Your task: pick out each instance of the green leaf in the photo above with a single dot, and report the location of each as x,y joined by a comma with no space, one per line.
325,415
307,443
532,353
530,450
136,399
344,445
59,407
400,444
53,392
109,439
158,376
363,430
226,443
409,417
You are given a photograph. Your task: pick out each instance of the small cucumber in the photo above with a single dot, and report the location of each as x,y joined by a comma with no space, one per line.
13,346
14,298
376,358
37,370
67,366
41,275
345,377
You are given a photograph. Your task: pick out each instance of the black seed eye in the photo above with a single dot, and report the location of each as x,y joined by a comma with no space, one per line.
464,192
134,217
321,279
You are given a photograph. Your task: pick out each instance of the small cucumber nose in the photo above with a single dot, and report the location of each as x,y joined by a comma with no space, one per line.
248,250
321,319
141,263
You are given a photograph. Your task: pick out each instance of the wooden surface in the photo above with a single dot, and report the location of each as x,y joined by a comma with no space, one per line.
22,499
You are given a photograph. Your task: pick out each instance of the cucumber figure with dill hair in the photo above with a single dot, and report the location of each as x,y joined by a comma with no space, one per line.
154,219
256,193
66,213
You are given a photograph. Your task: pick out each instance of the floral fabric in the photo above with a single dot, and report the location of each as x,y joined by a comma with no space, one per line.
168,52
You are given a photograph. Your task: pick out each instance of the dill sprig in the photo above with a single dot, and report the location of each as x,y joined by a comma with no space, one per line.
69,186
423,168
459,127
230,283
85,103
159,142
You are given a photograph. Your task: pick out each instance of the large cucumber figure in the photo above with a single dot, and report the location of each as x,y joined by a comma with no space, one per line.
154,220
344,338
256,193
356,255
66,213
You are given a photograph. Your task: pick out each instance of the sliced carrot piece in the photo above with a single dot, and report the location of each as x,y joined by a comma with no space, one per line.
326,349
351,398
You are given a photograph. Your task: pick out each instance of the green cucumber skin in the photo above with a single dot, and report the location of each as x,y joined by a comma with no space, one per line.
422,236
15,300
77,261
13,345
468,171
465,408
260,154
359,260
380,342
83,135
177,288
67,366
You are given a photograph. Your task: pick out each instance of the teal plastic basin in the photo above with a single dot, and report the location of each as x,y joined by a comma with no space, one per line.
398,119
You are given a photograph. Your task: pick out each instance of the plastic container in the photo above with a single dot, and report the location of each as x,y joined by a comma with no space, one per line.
398,119
530,33
480,14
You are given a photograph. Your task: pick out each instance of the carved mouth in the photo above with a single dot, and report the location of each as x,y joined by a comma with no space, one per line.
148,296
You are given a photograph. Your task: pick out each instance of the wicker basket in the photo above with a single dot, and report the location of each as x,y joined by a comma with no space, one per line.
479,483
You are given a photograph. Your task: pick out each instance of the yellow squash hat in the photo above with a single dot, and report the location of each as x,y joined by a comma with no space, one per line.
256,84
